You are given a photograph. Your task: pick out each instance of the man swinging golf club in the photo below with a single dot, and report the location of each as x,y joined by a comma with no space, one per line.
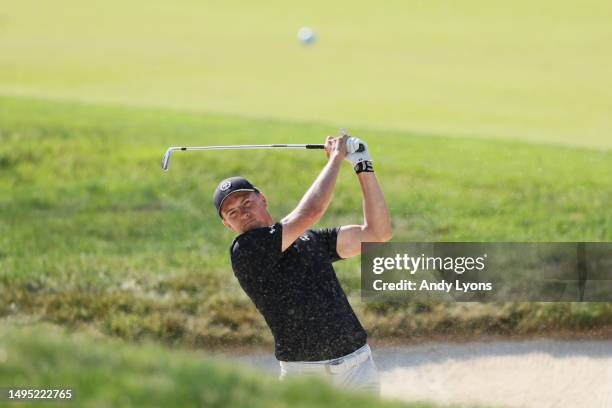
286,269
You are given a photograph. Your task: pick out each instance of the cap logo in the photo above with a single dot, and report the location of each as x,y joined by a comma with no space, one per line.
225,185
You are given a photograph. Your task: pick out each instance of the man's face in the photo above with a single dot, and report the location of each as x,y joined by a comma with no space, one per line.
244,211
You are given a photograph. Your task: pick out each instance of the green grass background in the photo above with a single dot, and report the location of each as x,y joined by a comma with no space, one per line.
487,121
95,233
521,70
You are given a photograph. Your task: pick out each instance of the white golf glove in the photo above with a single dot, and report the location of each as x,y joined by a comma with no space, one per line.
361,161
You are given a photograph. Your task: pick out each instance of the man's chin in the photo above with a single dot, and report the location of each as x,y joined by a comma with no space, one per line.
250,226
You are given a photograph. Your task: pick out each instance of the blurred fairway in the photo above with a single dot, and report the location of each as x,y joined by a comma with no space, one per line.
521,70
93,232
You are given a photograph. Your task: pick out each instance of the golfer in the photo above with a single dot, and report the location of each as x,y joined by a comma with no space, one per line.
286,270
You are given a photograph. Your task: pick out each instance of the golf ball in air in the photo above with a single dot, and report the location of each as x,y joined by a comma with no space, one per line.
306,35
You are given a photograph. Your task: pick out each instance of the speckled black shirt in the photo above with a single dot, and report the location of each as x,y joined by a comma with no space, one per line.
298,293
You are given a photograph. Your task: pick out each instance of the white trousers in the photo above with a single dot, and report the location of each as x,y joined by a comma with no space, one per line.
355,371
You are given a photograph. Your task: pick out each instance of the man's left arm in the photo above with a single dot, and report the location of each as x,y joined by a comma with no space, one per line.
376,225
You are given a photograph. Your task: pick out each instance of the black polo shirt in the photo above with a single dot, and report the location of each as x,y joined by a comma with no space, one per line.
298,293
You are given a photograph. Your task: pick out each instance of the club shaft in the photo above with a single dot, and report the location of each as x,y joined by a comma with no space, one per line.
257,146
166,159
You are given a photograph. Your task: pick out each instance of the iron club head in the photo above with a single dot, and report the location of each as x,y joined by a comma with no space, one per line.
166,159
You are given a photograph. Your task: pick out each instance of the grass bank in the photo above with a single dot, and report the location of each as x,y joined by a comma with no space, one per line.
111,373
93,233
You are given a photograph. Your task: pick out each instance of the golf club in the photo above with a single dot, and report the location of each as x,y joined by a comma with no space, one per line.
166,160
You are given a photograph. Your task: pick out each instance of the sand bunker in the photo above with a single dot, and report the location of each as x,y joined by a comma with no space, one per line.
507,374
542,373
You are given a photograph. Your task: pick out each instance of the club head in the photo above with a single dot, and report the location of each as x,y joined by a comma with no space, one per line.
166,160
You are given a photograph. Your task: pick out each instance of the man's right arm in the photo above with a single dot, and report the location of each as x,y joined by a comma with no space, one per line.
316,200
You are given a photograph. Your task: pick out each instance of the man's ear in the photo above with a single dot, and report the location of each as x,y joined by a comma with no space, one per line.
226,224
263,197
